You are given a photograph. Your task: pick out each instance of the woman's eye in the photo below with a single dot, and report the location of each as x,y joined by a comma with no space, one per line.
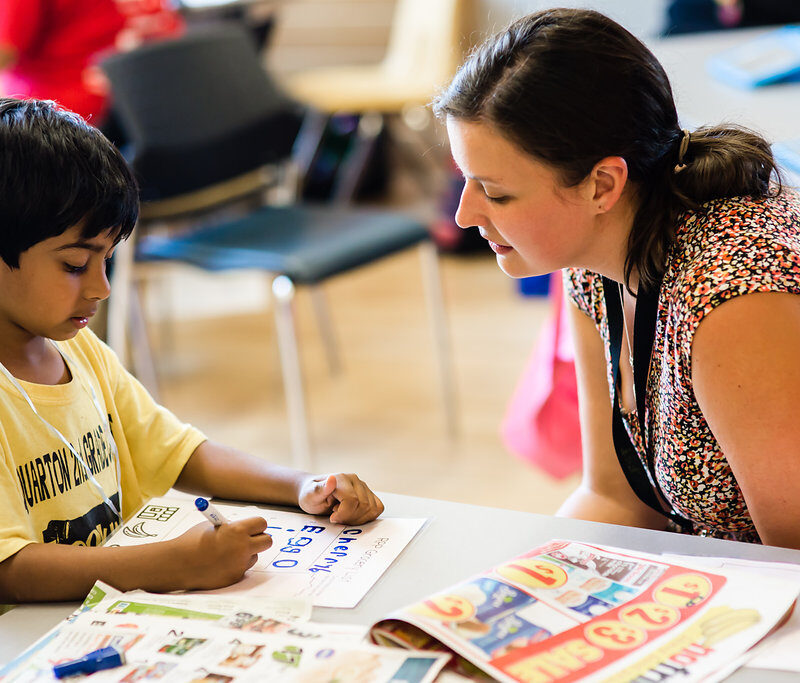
498,200
74,269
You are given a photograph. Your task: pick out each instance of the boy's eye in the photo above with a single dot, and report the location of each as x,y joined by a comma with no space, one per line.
74,269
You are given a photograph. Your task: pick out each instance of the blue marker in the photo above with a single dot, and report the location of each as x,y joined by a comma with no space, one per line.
211,513
106,658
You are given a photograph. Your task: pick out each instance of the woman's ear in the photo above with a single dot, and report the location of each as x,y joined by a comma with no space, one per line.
607,182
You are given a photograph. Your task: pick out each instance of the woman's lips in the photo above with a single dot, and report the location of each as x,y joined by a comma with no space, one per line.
499,248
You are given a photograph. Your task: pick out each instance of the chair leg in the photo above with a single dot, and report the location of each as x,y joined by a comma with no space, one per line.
119,301
325,325
142,360
438,315
350,173
307,143
283,291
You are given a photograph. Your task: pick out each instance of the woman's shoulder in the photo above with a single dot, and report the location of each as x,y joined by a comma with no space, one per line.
735,217
743,232
731,247
585,289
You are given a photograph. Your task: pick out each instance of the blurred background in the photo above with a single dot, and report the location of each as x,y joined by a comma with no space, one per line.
356,75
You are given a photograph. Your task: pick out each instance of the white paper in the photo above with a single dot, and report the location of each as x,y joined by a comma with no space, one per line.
330,564
781,650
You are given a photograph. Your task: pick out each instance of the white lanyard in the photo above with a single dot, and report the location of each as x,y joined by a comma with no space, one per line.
104,422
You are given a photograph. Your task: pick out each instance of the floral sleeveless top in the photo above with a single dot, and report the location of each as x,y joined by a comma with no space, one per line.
728,248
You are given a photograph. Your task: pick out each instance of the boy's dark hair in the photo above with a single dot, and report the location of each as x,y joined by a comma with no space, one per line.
55,172
570,87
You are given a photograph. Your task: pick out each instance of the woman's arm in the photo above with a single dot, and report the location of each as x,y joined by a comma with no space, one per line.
604,495
224,472
746,377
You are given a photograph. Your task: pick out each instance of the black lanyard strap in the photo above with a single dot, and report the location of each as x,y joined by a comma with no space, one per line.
641,477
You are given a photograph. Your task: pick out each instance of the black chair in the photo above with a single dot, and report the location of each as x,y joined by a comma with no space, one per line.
204,121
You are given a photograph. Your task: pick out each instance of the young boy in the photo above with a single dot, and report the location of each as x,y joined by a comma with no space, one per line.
81,441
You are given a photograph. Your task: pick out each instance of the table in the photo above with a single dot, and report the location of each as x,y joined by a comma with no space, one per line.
441,555
702,99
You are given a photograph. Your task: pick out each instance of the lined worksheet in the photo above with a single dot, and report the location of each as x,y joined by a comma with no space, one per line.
330,564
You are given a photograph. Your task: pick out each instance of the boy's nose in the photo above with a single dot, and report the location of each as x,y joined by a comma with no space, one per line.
98,288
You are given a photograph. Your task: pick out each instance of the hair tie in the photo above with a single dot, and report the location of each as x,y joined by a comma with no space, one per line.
684,146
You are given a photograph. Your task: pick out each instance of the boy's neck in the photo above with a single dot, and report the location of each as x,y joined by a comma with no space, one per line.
37,361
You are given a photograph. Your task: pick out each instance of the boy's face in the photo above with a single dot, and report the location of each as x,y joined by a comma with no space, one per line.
57,287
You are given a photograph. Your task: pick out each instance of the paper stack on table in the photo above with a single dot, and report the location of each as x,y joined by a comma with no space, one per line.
192,638
570,611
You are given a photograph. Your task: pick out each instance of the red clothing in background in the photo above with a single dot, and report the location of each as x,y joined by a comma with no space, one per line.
58,41
55,41
147,20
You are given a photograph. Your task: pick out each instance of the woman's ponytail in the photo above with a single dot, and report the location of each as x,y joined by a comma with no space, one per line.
709,163
725,161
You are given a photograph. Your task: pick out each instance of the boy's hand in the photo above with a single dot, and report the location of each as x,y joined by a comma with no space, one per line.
347,498
213,557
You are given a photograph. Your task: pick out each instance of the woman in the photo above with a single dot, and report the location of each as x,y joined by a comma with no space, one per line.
683,258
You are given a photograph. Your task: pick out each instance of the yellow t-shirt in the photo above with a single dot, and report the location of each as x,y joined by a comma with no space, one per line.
46,493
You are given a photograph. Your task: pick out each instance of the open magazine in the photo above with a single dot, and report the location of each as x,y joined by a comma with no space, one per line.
194,638
569,611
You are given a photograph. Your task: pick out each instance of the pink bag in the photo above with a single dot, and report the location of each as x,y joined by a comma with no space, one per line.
541,422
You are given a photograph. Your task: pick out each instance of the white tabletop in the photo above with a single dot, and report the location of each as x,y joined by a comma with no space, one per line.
459,541
773,110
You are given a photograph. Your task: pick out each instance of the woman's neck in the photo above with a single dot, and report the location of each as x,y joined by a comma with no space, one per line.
612,234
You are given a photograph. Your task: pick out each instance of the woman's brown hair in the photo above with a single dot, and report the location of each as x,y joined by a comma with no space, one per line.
571,86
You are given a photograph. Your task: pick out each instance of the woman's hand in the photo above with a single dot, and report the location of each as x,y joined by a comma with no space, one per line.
345,497
213,557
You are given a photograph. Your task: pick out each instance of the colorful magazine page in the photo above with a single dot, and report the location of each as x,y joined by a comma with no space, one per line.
569,611
196,650
263,615
770,58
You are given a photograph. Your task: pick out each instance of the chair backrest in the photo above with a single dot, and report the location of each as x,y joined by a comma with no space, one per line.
199,110
427,37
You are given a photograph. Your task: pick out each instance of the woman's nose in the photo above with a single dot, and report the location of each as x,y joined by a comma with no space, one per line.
466,215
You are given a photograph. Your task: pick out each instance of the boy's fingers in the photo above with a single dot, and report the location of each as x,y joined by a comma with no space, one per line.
363,506
328,486
251,525
261,542
346,511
